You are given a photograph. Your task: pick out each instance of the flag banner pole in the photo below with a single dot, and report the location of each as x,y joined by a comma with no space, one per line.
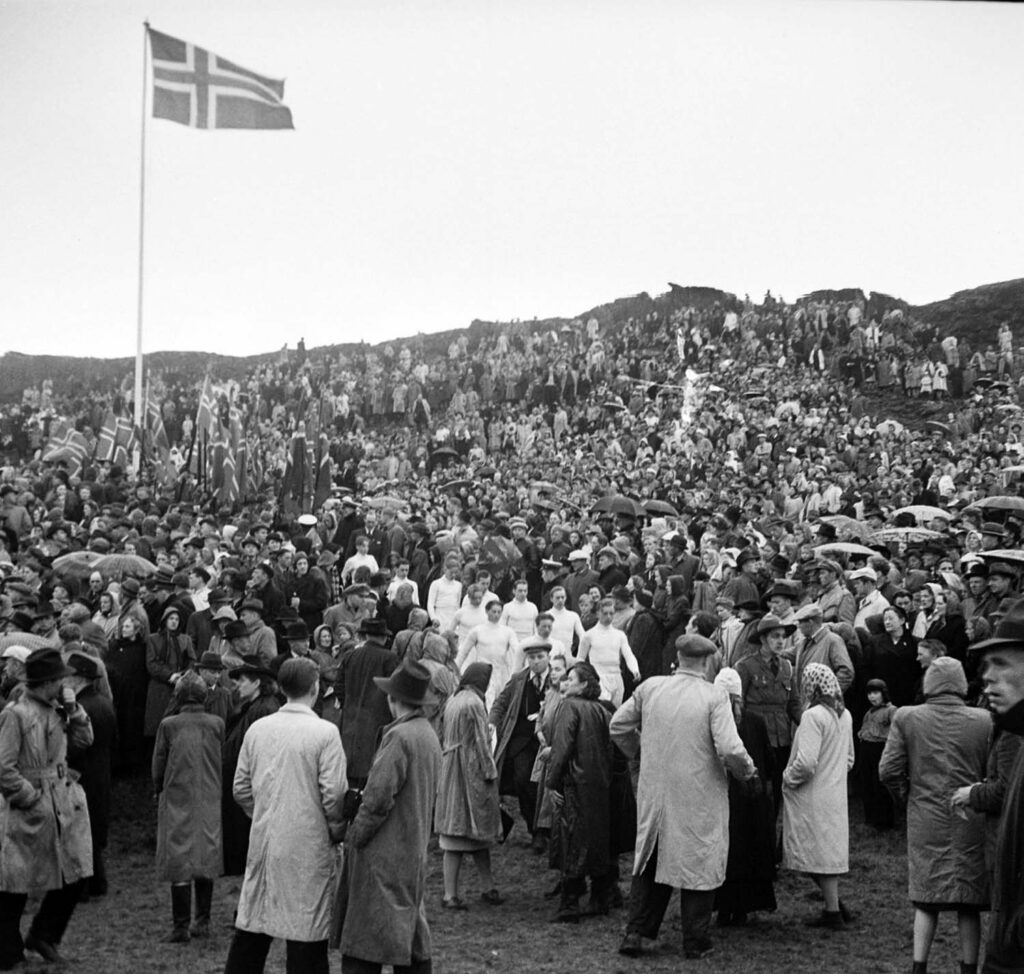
142,226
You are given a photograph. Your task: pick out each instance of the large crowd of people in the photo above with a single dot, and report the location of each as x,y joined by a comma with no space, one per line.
676,585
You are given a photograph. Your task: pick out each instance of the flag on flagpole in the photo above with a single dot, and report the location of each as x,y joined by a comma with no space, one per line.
67,444
198,88
105,440
124,440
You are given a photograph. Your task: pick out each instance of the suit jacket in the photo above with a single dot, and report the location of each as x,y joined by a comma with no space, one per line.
505,714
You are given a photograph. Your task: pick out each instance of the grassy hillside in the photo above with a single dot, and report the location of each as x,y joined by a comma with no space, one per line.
974,314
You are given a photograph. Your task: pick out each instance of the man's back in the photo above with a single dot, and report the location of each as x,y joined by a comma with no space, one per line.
291,779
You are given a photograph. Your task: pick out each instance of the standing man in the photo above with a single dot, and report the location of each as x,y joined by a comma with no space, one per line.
364,709
385,920
683,728
819,644
520,614
291,780
47,847
1003,673
531,557
514,717
580,579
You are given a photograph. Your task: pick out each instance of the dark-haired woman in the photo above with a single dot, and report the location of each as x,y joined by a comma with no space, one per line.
580,776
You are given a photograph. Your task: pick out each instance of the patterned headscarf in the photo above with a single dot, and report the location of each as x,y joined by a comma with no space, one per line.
818,684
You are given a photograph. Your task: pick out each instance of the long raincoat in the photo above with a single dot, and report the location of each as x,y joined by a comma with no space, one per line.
44,844
815,817
386,845
186,775
291,780
689,740
932,750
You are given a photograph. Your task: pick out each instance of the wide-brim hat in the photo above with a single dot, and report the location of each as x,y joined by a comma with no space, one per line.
1009,632
251,666
785,588
210,661
410,683
43,665
768,624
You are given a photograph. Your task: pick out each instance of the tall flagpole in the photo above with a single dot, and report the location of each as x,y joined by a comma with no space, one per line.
142,227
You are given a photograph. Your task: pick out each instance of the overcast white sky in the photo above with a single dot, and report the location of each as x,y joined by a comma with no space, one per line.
460,159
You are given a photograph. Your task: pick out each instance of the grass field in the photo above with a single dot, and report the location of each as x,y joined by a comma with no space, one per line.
121,933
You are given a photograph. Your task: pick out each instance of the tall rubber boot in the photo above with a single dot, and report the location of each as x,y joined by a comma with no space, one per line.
204,901
181,912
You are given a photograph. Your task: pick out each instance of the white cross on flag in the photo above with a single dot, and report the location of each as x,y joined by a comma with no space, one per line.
196,87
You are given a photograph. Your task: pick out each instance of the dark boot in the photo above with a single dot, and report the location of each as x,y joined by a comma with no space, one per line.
569,906
204,901
966,968
920,967
827,920
181,912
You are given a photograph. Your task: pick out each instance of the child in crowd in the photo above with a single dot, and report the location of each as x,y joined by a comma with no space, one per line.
873,733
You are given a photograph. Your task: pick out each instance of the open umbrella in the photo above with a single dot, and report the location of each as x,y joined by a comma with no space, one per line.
618,504
906,535
1003,502
87,558
844,548
119,564
543,504
442,457
841,522
655,506
544,487
454,485
889,426
486,473
923,512
1016,468
27,639
1004,554
385,502
936,427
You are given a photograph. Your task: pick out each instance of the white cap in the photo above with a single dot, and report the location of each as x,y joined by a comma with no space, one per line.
579,555
20,653
868,574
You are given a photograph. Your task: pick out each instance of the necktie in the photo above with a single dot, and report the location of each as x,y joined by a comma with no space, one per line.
774,664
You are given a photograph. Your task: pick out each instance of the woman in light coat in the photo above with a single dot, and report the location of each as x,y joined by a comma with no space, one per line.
815,820
186,779
933,749
466,815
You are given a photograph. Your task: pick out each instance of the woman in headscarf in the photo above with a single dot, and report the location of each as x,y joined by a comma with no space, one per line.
106,615
580,777
466,814
169,655
933,749
815,819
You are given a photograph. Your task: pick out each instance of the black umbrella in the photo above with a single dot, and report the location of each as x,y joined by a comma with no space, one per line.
618,504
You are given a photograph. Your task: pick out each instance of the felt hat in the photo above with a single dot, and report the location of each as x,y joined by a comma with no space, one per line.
253,666
784,588
1009,631
410,683
373,627
43,665
768,624
255,605
84,665
210,661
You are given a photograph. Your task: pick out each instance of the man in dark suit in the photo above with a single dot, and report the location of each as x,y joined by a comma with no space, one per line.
364,707
683,563
262,587
514,717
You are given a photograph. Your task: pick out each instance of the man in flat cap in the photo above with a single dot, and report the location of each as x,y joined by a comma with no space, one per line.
819,644
870,602
836,602
682,726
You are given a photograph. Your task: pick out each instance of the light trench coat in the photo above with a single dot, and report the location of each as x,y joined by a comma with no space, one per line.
45,840
689,740
815,814
291,780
